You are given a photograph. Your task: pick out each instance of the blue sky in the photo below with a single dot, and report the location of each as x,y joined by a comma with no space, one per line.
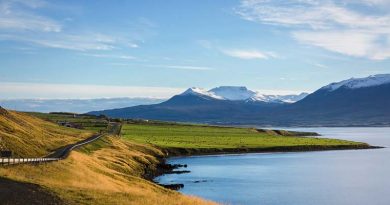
147,48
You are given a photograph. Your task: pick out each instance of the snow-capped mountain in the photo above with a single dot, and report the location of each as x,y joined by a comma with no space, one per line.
279,98
201,92
353,102
241,93
354,83
233,92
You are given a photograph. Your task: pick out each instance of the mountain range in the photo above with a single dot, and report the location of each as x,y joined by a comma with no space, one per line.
74,105
352,102
241,93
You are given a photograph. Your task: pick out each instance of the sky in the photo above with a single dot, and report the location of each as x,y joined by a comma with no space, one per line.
148,48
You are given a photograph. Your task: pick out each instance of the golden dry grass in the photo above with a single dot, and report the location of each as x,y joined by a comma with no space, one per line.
106,172
28,136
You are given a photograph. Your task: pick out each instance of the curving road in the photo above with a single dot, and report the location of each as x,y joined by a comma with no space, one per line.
63,152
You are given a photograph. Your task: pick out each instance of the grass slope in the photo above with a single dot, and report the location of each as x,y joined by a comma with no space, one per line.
108,171
193,138
87,122
111,170
28,136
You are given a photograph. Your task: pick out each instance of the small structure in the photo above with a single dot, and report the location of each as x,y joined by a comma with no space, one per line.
70,124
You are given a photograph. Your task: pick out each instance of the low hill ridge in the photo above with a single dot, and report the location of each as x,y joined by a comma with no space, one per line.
28,136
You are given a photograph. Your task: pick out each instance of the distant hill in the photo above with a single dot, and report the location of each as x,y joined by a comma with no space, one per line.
191,106
242,93
74,105
352,102
28,136
363,101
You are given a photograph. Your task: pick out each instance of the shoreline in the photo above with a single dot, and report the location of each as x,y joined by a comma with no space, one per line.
265,152
163,167
188,152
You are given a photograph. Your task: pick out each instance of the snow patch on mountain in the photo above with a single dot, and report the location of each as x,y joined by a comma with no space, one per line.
201,92
354,83
233,92
241,93
278,98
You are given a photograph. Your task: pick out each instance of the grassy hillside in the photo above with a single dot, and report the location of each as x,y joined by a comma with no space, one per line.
28,136
86,122
207,138
111,170
108,171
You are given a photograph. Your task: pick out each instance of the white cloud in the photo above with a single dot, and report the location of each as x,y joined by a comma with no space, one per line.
373,2
186,67
182,67
317,14
320,65
248,54
133,45
32,23
20,21
239,53
80,42
336,26
179,67
17,19
29,3
352,43
125,57
69,91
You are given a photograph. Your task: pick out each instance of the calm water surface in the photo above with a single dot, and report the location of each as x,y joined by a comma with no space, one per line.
351,177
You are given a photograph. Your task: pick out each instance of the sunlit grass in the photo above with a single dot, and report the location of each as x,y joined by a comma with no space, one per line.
28,136
88,122
107,173
111,169
192,136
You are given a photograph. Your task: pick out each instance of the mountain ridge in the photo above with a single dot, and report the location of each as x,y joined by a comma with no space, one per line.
352,103
242,93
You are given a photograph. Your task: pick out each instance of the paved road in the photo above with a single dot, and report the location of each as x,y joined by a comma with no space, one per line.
63,152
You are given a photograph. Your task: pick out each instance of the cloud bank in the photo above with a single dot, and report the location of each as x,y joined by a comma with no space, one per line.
355,28
73,91
21,21
249,54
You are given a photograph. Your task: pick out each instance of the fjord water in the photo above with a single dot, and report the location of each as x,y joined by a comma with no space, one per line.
349,177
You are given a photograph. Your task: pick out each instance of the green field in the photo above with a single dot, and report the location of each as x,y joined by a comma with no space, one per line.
87,122
206,137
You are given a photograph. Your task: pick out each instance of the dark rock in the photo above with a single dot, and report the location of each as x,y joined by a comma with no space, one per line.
199,181
173,186
178,172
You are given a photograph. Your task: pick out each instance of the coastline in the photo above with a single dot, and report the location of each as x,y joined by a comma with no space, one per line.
163,167
186,152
